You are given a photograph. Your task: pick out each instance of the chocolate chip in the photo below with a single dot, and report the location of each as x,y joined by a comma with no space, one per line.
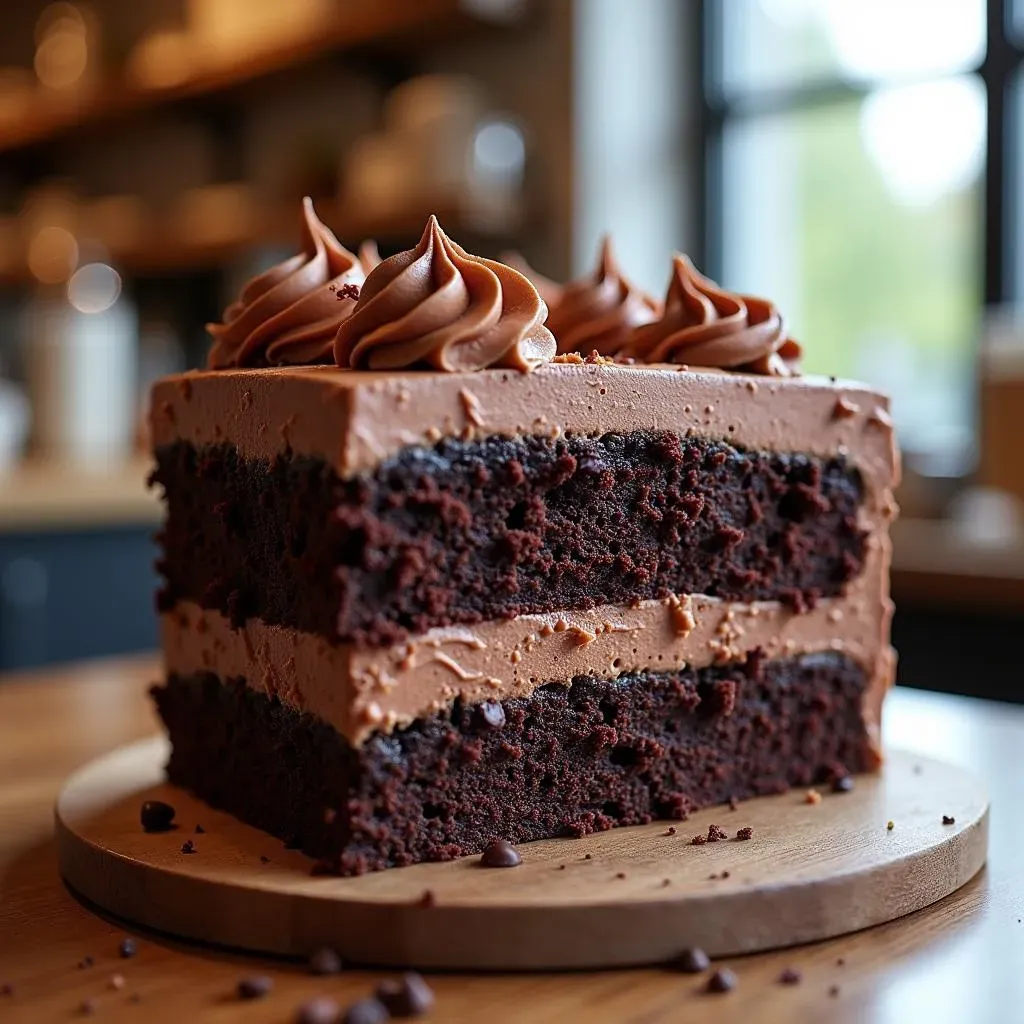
156,816
620,874
324,961
745,833
86,961
948,819
128,948
493,714
408,996
366,1011
318,1011
87,1007
500,854
671,830
200,830
790,976
188,847
723,980
692,961
256,986
588,856
843,784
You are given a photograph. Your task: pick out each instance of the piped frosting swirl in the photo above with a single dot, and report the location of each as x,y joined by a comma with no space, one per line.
437,306
704,325
290,313
600,311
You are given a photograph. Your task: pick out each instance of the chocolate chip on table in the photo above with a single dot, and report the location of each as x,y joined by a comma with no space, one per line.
692,961
790,976
500,854
843,784
948,819
200,830
408,996
256,986
366,1011
745,833
325,961
318,1011
188,847
128,948
671,830
723,980
156,816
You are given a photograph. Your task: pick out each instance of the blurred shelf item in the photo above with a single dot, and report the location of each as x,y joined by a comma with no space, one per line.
40,117
43,495
935,566
241,226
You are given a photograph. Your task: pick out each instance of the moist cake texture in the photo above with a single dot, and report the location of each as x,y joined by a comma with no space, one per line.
450,591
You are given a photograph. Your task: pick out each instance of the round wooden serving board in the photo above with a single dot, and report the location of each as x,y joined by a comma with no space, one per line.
811,871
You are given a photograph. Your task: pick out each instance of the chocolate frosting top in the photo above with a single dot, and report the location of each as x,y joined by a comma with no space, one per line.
369,255
438,306
290,313
704,325
550,291
599,312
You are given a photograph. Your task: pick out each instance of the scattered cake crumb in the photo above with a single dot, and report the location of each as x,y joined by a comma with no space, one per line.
408,996
716,834
840,961
200,830
745,833
255,986
568,357
948,819
692,960
812,796
790,976
264,859
698,841
670,831
188,846
890,825
723,980
427,899
620,874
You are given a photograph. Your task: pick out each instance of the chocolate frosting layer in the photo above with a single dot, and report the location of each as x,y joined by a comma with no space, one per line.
290,313
550,291
704,325
369,255
599,312
438,306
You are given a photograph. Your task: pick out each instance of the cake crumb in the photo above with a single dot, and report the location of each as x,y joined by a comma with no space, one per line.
670,831
188,846
833,991
722,981
698,840
890,825
790,976
588,856
745,833
568,357
620,874
812,796
948,819
716,834
665,882
426,899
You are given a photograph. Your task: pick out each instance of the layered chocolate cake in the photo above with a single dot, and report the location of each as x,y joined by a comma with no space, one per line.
435,573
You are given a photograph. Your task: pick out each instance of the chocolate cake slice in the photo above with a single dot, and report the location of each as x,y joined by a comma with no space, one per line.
451,589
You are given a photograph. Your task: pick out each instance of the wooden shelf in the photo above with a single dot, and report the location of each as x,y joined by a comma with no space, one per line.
43,495
357,24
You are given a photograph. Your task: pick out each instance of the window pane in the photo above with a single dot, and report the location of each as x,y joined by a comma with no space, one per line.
862,221
783,43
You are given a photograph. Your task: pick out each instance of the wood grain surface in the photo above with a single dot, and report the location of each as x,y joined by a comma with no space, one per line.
958,960
621,898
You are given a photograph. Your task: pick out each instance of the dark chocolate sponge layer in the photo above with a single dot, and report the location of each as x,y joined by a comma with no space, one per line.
470,531
565,761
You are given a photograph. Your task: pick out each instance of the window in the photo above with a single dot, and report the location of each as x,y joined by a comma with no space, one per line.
861,172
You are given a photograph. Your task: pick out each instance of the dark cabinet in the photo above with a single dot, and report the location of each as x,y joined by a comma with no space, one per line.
82,594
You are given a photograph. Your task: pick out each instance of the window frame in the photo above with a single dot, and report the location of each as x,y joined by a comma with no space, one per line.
1001,69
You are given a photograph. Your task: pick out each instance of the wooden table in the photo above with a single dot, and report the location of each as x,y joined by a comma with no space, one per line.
960,960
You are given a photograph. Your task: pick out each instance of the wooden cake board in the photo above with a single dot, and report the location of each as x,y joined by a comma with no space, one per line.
625,897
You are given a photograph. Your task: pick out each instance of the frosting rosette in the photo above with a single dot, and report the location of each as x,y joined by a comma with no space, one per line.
437,306
704,325
290,313
600,312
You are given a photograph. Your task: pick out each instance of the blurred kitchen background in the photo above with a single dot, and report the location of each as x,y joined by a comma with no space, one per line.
859,161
